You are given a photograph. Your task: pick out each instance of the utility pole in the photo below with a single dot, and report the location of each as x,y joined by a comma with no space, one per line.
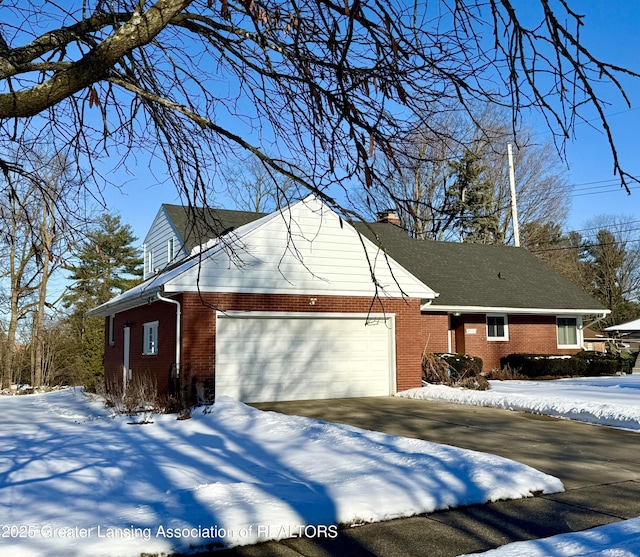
514,205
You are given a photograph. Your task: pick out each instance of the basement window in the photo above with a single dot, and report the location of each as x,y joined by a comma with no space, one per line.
150,338
497,327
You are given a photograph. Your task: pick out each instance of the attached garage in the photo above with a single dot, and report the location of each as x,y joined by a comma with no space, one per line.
293,356
284,307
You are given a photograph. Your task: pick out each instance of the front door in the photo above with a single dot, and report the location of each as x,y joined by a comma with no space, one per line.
126,372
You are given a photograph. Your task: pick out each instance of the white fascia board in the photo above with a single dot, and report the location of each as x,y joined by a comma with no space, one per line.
304,314
428,307
292,291
123,303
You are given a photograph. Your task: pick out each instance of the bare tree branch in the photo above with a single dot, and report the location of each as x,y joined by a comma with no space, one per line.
329,87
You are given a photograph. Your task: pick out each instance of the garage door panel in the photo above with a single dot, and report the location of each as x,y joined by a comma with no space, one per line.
288,358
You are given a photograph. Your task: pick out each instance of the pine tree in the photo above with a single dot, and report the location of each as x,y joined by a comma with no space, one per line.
107,265
612,274
472,202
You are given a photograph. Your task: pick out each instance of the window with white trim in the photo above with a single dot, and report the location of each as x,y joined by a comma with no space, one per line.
567,328
171,249
111,329
150,270
497,327
150,338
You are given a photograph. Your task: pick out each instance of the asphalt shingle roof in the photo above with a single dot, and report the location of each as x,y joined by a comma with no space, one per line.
480,275
465,275
197,225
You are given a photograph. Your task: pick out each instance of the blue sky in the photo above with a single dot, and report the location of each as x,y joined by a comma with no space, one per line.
610,32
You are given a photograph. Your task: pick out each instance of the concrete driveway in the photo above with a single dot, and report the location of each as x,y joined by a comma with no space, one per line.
600,468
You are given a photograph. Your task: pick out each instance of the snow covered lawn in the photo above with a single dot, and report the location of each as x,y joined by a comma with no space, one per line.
75,481
610,401
620,539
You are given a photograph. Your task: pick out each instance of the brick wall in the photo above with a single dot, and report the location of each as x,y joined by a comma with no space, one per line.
434,332
533,334
199,322
161,363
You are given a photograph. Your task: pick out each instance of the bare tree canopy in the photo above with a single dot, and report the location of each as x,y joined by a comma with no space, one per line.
451,181
329,83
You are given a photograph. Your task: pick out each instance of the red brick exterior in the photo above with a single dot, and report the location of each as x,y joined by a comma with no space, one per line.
434,332
159,364
415,333
199,322
532,334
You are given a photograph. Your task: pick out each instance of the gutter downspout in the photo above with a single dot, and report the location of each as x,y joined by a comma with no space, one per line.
595,321
602,316
178,335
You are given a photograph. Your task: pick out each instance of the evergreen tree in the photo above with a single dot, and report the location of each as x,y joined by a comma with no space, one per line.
558,250
107,265
471,202
613,274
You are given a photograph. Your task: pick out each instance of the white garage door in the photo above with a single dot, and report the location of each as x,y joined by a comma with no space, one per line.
261,358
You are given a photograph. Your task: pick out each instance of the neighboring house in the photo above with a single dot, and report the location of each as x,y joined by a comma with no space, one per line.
595,340
283,306
626,335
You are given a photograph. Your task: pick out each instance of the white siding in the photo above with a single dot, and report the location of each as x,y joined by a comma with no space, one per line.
306,249
156,244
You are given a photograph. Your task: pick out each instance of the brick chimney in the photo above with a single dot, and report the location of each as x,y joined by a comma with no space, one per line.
388,215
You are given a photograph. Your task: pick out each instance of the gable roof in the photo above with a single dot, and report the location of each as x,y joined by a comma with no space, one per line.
480,277
196,225
303,249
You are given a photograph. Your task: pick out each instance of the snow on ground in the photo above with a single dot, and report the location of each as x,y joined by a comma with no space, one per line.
76,481
620,539
610,401
607,401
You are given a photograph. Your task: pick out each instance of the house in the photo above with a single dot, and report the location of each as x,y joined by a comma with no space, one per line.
280,307
627,336
493,300
301,304
595,340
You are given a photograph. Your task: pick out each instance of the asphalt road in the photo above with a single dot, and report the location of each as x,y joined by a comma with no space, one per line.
599,466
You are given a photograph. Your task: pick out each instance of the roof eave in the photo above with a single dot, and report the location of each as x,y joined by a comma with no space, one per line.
430,307
115,306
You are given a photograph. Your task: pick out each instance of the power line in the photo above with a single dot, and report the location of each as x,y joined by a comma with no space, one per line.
621,224
614,190
583,246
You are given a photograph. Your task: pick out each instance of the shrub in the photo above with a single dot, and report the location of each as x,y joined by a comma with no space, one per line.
435,369
140,395
461,365
544,365
627,361
505,373
599,363
582,364
455,370
477,383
